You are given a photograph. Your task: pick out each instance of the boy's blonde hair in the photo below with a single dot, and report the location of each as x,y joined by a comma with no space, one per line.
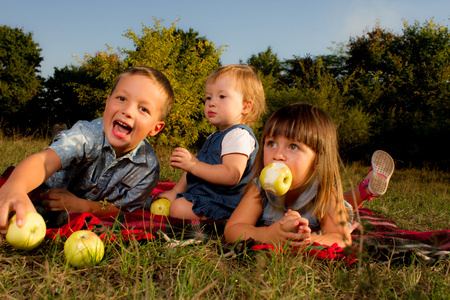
315,128
248,83
158,78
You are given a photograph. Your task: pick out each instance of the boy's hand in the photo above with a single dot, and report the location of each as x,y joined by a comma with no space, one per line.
13,201
27,175
183,159
62,200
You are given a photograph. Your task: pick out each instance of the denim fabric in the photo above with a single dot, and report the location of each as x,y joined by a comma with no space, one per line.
214,201
274,208
91,170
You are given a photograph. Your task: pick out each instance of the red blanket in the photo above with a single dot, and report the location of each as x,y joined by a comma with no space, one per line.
382,238
385,241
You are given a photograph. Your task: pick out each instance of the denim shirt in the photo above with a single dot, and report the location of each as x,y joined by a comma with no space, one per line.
91,170
274,207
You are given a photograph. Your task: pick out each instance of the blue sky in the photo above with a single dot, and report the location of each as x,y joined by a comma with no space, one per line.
66,28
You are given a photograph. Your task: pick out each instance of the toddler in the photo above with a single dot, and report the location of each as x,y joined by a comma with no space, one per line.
212,182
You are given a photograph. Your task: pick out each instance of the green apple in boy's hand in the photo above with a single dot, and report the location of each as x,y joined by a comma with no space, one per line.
84,248
276,178
30,235
160,207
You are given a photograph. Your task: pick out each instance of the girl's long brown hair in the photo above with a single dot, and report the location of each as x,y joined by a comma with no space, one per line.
312,126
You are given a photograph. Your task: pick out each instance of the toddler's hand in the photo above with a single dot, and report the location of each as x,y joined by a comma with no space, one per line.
171,195
183,159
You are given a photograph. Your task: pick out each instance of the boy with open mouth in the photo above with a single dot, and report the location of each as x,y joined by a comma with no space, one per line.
101,166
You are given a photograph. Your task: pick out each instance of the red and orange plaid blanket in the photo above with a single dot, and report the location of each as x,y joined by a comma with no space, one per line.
382,239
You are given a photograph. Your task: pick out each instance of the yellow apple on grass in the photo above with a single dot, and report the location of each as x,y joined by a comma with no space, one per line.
84,248
30,235
160,207
276,178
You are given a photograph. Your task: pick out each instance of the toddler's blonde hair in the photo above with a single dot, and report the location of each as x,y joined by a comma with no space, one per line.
248,83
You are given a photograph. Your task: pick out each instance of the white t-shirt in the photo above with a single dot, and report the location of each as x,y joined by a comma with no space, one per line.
238,140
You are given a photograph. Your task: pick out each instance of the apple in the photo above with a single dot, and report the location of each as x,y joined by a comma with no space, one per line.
84,248
276,178
160,207
30,235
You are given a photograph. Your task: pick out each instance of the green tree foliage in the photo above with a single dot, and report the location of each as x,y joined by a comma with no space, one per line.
71,95
266,62
310,81
383,90
184,57
404,82
300,69
19,62
101,71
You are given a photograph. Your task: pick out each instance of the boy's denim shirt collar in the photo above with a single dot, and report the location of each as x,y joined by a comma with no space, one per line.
137,155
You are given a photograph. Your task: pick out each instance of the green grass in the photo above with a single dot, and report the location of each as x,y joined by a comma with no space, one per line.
15,149
416,200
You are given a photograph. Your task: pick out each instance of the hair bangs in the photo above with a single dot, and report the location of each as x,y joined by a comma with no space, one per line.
297,123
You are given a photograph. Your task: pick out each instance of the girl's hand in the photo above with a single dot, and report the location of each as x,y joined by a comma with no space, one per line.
296,238
290,221
293,222
183,159
304,230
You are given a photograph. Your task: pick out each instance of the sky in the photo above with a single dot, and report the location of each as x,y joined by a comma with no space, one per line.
64,29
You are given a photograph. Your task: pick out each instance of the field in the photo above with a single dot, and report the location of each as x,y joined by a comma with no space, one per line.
416,200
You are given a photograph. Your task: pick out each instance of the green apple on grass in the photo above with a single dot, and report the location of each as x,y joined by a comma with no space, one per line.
84,248
160,207
30,235
276,178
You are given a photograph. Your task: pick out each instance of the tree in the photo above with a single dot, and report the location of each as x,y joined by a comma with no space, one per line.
311,82
266,62
301,69
19,80
410,79
184,57
66,101
269,70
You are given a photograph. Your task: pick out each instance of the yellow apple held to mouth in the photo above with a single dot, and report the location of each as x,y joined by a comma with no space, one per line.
84,248
276,178
160,207
30,235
